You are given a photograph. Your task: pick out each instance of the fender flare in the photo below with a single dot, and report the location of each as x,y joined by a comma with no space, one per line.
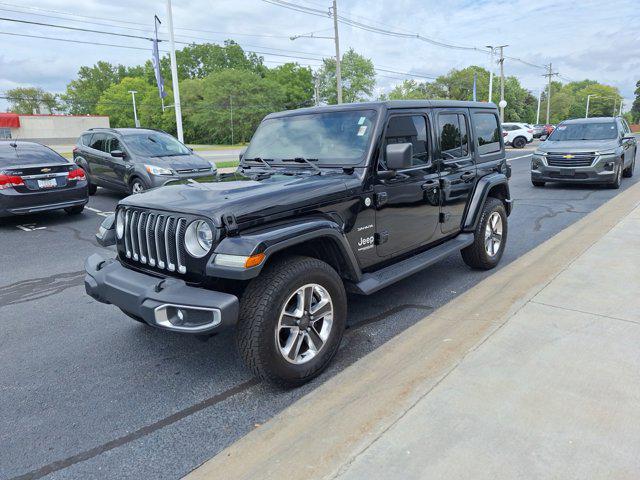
275,238
480,194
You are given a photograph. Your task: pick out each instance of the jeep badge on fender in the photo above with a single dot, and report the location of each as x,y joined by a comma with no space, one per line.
326,200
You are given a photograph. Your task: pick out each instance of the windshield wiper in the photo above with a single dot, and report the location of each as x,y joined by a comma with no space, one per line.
264,161
305,160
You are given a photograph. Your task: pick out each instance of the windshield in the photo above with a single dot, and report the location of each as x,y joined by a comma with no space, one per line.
333,138
584,131
155,144
28,154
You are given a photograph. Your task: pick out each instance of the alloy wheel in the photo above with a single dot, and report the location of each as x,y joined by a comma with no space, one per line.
493,234
305,324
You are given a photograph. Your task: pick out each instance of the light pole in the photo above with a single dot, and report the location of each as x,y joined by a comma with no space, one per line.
586,115
174,74
336,38
135,113
502,103
538,111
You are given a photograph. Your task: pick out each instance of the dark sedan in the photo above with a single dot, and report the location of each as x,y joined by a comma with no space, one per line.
34,178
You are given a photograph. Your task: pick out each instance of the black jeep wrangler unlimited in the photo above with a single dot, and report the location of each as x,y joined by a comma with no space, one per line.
326,201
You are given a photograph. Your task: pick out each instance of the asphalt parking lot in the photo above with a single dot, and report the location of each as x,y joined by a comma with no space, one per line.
86,392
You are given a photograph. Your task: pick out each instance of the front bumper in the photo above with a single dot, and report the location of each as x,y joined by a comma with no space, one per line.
602,170
166,303
23,203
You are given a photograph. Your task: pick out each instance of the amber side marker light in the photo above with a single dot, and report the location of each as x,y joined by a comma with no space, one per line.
254,260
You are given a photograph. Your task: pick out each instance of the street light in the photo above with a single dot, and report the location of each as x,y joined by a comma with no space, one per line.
135,113
586,115
491,50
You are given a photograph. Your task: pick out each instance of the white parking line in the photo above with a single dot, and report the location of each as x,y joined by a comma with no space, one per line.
521,156
99,212
30,227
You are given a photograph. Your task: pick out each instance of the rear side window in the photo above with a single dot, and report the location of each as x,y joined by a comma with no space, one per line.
487,132
28,154
452,132
98,142
85,139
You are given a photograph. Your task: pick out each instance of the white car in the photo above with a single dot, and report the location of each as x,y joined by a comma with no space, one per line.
517,134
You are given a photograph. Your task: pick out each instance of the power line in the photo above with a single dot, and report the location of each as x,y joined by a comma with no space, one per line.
75,41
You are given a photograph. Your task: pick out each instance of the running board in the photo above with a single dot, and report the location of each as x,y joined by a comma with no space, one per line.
372,282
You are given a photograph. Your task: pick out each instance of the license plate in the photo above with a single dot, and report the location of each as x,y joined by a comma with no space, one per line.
565,172
48,183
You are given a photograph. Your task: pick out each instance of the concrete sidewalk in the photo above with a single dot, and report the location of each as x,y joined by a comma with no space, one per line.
534,373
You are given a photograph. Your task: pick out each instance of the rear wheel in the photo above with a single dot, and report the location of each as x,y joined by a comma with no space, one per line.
490,237
77,210
292,318
519,142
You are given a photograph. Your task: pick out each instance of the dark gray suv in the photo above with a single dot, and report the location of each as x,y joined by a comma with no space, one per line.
587,150
136,159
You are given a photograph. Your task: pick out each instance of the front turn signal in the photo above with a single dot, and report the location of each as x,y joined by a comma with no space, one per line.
254,260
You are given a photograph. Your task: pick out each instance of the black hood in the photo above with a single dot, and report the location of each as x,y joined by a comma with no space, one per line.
248,199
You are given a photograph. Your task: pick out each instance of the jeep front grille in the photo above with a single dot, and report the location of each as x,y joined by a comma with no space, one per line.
155,239
570,160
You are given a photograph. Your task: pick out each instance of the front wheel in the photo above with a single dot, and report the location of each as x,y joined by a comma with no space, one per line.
536,183
292,318
519,142
490,237
628,172
617,182
137,186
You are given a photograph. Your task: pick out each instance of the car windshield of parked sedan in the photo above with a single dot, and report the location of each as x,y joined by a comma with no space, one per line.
331,138
155,144
28,154
584,131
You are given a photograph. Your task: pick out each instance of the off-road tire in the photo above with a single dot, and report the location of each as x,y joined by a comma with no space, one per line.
475,255
535,183
617,182
519,142
628,172
260,308
77,210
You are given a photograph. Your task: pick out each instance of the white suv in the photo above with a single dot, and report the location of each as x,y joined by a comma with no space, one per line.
517,134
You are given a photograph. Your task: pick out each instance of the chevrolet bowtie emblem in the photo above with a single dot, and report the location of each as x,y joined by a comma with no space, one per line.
45,170
568,156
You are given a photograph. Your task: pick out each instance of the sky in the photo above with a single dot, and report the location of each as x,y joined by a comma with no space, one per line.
598,40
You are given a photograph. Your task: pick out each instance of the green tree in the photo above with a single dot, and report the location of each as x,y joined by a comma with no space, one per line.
297,83
116,102
83,93
635,108
358,78
570,100
27,100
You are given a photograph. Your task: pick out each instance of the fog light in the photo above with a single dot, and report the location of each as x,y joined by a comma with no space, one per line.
180,315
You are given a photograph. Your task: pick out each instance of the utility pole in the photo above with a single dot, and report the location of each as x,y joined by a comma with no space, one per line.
174,74
621,103
316,90
501,47
538,112
549,75
491,65
338,61
135,112
586,115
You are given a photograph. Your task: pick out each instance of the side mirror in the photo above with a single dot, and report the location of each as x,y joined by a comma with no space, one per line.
399,156
629,137
241,154
543,137
117,153
190,149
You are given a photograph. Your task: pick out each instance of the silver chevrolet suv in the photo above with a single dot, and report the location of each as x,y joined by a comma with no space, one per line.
588,150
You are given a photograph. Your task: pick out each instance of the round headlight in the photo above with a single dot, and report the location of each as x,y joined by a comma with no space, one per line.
120,224
198,239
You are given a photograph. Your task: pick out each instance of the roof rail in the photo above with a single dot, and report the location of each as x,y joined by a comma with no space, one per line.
102,128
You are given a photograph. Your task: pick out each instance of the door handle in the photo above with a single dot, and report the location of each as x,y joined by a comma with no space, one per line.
429,184
466,176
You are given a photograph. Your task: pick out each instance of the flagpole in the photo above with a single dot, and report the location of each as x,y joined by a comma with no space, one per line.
174,74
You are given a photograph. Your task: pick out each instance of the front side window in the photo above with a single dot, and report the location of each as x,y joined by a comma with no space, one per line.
331,138
155,144
98,142
487,132
584,131
112,143
453,136
410,129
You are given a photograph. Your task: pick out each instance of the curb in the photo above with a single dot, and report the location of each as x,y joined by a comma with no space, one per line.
352,409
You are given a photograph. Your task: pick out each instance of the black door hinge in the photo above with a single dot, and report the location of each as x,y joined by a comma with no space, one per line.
381,237
381,199
230,224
